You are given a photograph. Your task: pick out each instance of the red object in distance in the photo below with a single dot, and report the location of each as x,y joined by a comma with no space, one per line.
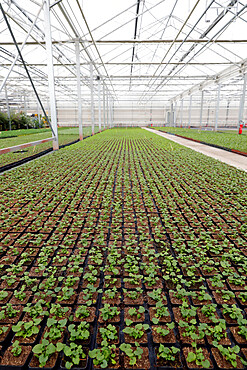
240,128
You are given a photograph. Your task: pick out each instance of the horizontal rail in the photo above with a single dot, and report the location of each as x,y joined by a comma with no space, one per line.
123,64
149,41
15,148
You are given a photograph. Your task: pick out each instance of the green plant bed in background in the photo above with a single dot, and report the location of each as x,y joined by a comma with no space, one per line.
14,133
228,139
22,134
65,135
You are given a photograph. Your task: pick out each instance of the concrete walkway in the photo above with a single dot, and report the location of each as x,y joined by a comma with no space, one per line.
232,159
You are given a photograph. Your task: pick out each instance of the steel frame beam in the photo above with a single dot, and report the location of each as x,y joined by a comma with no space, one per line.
135,34
25,67
92,38
132,19
154,77
215,35
51,82
226,74
77,35
21,48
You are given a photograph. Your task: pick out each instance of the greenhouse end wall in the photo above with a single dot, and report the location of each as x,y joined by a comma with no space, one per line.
228,118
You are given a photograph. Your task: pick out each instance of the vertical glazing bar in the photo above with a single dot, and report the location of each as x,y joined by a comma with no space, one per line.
104,104
181,112
7,105
171,121
51,81
38,112
201,109
167,121
227,112
107,109
242,101
99,102
217,109
78,77
175,114
208,112
92,98
112,112
25,102
190,108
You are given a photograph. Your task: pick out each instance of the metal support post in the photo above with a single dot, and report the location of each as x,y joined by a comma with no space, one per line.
7,104
217,109
99,102
92,97
104,105
201,110
181,112
51,82
190,107
242,101
78,76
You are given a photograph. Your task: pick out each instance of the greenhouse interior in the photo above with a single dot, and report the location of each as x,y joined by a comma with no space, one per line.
123,187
